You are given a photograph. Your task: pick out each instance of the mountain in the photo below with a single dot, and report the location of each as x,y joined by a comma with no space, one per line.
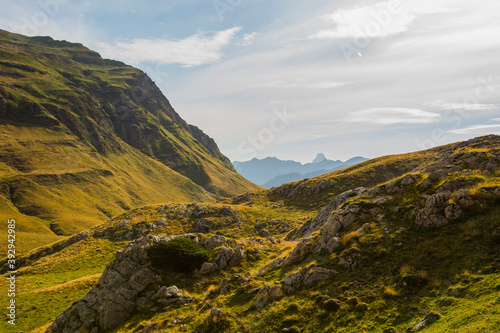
319,158
271,172
85,138
401,243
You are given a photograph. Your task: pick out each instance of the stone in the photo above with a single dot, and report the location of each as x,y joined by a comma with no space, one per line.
224,287
318,274
300,251
214,312
237,257
452,212
408,180
275,263
167,292
207,268
264,233
214,242
223,257
307,276
154,327
324,214
464,198
265,295
435,210
260,225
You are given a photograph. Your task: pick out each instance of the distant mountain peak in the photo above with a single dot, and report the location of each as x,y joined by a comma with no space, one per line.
319,158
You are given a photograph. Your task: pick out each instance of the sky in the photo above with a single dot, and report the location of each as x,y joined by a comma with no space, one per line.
291,79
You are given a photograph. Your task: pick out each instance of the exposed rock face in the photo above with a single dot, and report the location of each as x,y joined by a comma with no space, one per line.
430,211
436,210
226,257
265,295
464,198
275,263
300,251
324,214
214,242
126,285
307,276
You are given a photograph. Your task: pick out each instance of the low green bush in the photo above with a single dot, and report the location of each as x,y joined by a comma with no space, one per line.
332,305
180,254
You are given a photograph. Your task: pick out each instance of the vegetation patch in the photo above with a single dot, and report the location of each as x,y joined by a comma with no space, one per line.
180,255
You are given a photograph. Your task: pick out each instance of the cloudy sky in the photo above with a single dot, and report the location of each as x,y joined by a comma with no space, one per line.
294,78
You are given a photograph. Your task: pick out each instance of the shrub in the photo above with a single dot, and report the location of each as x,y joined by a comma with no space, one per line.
294,307
180,254
353,301
361,307
389,292
321,299
347,238
331,305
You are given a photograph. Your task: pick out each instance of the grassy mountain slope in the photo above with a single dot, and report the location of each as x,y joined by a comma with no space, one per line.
420,245
108,105
84,139
52,184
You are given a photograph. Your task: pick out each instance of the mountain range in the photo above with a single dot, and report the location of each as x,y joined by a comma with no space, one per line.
271,171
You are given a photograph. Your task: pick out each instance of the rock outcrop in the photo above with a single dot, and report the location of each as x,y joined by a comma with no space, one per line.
265,295
307,276
128,284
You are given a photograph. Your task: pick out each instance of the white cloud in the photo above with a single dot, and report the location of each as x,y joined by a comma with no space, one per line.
477,129
391,116
306,85
198,49
442,105
379,20
248,39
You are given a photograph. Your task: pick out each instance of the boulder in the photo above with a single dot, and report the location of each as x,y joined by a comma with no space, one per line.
300,250
167,292
464,198
223,257
275,263
307,276
260,225
265,295
214,242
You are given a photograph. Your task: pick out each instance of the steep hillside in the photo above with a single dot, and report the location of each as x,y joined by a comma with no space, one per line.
85,138
416,252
